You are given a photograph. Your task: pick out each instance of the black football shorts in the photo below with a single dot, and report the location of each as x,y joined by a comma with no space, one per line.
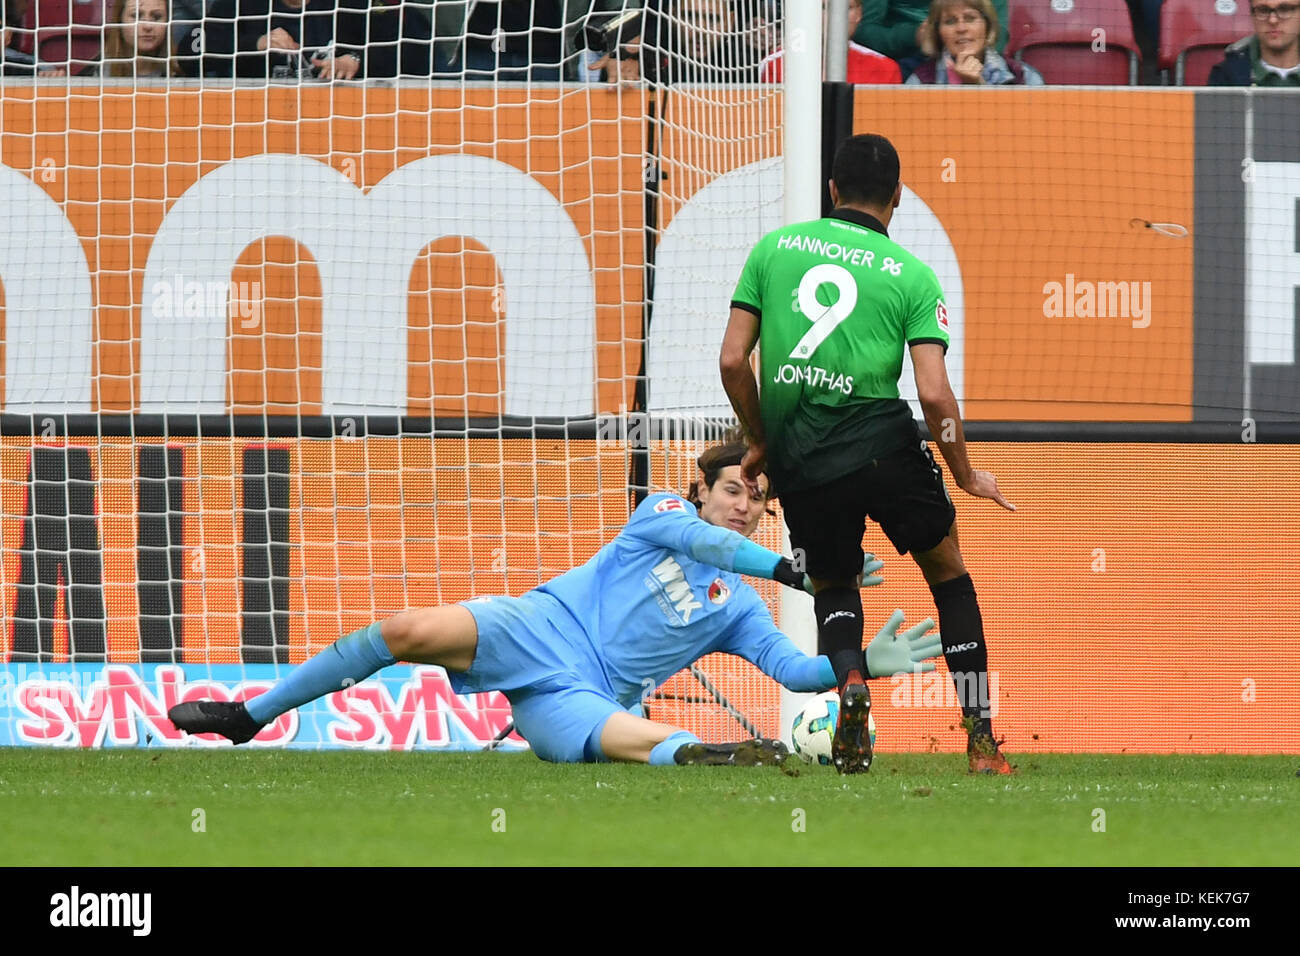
903,492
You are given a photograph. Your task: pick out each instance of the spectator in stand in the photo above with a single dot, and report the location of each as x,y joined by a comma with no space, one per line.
15,62
137,42
864,65
285,39
67,36
399,40
215,43
893,27
544,41
699,41
1269,58
685,41
510,40
187,19
958,36
763,29
590,40
395,38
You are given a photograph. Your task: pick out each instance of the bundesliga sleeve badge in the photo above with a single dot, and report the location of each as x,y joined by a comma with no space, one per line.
941,315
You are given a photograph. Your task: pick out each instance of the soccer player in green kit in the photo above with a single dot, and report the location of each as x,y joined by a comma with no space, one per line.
832,304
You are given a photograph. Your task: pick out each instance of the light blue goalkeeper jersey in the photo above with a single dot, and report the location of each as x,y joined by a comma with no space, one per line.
661,595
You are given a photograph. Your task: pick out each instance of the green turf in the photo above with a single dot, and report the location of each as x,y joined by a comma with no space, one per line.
136,807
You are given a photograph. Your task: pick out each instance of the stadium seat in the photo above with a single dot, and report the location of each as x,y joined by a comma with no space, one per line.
64,32
1193,34
1057,37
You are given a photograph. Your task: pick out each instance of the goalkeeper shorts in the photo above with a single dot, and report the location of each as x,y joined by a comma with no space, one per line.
556,689
564,725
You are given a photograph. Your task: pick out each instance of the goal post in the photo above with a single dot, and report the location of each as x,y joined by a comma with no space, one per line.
802,147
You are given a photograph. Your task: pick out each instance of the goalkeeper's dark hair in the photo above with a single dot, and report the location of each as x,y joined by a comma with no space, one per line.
714,459
866,170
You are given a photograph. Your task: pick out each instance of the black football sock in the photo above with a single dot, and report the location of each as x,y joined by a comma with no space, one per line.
839,630
965,651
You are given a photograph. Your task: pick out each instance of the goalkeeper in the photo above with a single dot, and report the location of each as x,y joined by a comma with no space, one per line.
577,655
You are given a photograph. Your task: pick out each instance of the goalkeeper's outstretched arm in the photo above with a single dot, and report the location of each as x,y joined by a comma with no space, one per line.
889,652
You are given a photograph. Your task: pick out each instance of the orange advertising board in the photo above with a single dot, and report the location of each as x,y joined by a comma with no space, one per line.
115,161
1047,201
1139,599
1136,601
1073,307
1036,208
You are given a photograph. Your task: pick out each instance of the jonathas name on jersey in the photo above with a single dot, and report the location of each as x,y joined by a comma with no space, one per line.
813,376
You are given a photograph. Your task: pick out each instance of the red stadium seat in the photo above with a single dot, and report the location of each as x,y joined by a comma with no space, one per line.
1057,37
1193,34
64,30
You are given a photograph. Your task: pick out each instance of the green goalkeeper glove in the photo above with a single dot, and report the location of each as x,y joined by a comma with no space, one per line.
868,578
891,653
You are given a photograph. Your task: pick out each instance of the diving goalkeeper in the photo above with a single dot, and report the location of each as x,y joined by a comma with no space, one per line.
576,656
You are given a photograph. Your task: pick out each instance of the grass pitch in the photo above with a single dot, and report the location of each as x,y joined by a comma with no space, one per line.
145,807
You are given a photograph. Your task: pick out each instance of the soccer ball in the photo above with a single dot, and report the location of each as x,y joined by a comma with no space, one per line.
814,728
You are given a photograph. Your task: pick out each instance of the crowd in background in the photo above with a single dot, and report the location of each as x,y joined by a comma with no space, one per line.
944,42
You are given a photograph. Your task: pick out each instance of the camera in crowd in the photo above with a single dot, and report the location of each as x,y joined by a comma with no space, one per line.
609,33
302,64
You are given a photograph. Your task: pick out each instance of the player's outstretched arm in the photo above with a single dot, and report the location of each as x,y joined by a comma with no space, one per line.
756,639
742,389
943,418
667,521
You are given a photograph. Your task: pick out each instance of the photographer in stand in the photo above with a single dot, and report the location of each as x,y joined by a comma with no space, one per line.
610,46
285,39
672,41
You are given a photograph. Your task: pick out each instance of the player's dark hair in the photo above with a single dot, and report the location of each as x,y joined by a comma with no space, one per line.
865,170
711,463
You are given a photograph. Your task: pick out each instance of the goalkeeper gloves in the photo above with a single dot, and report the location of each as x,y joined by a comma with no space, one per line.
891,653
867,579
786,574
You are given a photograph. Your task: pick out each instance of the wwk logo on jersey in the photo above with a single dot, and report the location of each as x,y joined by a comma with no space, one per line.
674,590
941,315
670,504
718,592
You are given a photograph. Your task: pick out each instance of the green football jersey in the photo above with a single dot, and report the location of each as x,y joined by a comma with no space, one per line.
838,301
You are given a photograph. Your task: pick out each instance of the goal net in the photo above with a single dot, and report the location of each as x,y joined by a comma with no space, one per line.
283,357
418,308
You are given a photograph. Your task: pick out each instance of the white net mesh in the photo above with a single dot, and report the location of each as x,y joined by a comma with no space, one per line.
283,357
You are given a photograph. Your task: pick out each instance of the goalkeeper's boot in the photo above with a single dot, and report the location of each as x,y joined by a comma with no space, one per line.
231,721
851,746
985,754
747,753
